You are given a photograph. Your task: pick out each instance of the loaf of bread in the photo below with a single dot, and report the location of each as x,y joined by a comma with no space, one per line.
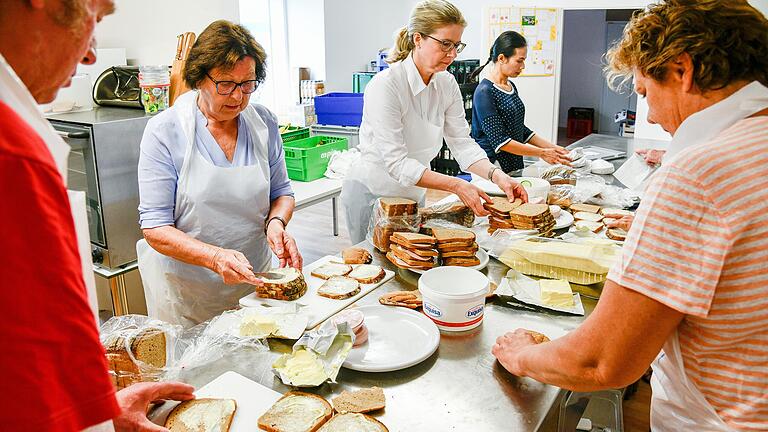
392,207
146,358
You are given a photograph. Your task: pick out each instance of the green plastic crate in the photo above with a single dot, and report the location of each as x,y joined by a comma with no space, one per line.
307,159
294,133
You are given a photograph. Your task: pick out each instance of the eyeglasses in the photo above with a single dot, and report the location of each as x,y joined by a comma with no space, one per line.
447,45
225,88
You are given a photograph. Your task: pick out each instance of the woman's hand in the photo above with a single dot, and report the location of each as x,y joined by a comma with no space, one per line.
134,401
652,156
555,155
233,267
284,246
472,196
507,348
510,187
624,223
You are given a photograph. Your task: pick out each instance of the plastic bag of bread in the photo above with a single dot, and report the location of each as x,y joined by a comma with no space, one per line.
455,212
391,215
561,195
560,174
138,348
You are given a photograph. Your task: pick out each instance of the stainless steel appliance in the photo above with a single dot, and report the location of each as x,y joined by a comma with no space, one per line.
103,163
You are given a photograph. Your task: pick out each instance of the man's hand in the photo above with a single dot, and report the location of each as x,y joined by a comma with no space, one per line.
284,246
507,348
134,401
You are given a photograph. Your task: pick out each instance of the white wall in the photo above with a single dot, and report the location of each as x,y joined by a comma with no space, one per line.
148,28
306,36
581,80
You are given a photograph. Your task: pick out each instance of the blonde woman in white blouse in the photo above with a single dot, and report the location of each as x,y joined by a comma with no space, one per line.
409,109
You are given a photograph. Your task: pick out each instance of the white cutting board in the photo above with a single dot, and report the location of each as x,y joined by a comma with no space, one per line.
253,400
316,307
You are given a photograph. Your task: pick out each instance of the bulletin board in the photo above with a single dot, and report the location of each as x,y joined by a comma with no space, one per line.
538,25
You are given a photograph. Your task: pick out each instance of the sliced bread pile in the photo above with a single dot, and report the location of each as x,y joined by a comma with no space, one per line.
533,217
289,287
135,357
500,209
393,215
412,251
457,247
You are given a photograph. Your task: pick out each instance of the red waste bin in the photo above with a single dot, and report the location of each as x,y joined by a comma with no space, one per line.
580,122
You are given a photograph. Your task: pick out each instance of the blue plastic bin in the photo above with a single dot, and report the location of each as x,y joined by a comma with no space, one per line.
341,109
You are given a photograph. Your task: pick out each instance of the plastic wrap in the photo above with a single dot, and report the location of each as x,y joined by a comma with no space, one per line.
561,195
454,212
587,186
501,239
560,174
386,220
340,161
140,348
615,197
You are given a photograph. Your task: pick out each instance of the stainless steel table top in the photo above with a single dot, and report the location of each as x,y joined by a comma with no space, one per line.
461,387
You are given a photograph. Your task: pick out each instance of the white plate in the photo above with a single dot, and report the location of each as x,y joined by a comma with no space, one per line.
397,338
253,400
480,254
317,308
564,220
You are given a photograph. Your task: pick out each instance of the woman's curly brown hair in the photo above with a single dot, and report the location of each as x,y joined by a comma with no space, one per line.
221,45
726,39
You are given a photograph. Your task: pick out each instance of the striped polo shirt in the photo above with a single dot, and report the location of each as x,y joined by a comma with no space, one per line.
699,244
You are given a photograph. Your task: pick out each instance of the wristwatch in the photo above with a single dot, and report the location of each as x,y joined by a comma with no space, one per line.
266,225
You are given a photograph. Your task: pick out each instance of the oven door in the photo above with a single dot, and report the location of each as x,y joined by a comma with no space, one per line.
81,175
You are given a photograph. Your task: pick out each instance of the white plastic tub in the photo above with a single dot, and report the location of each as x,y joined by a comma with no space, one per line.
454,297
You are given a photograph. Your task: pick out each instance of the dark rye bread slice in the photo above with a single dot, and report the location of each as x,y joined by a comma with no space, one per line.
202,415
393,206
502,205
283,416
359,401
408,254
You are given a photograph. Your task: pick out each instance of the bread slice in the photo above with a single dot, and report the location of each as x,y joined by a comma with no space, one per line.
356,255
410,255
339,288
416,253
502,205
410,238
412,246
589,208
294,409
290,287
461,262
406,265
353,422
367,273
453,247
202,415
594,217
360,401
408,299
617,234
459,254
331,269
398,206
529,210
595,227
615,213
445,235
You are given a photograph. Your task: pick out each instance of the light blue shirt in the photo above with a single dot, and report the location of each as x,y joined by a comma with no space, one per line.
163,147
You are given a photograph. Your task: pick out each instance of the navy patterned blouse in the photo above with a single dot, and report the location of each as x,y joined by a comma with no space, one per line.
497,117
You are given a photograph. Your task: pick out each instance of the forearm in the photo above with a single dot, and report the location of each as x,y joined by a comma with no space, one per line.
518,148
540,142
434,180
282,207
169,241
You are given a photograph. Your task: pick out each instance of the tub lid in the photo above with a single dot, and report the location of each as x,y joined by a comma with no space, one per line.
454,281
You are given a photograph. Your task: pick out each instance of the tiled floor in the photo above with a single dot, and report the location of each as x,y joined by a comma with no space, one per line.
312,227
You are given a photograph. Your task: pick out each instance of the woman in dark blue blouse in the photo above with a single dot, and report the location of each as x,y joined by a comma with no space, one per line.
498,114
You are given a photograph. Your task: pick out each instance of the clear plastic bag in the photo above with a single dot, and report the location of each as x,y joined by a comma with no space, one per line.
139,348
387,219
501,239
340,161
455,212
560,174
561,195
615,197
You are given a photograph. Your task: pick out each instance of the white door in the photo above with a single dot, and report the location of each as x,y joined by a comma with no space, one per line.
612,102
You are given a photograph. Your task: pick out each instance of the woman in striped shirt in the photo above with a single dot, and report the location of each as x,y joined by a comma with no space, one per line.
692,281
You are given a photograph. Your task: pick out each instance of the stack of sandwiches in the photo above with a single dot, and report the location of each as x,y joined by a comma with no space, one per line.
457,247
412,251
500,209
533,217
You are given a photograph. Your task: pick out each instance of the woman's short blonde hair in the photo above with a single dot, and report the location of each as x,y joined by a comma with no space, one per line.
221,45
426,18
726,39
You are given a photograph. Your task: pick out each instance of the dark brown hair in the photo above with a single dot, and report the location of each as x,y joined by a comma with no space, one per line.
726,39
221,45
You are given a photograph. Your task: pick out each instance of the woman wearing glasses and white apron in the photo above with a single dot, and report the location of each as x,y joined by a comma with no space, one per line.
409,109
214,190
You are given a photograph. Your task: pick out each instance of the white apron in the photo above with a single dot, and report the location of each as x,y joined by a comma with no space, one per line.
676,403
224,207
369,179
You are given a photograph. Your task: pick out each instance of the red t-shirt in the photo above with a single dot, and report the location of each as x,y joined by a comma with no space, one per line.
53,371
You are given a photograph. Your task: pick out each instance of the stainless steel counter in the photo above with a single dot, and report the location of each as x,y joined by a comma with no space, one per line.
461,387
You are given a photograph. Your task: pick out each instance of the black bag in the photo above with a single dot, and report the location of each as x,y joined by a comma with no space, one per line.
118,86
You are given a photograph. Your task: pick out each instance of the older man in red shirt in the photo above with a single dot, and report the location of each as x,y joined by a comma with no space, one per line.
54,368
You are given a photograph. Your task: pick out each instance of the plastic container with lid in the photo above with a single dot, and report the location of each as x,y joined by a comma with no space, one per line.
155,83
454,297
